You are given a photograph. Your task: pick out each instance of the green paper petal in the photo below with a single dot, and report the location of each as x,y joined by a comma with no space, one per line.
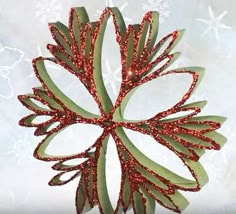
101,180
62,36
47,81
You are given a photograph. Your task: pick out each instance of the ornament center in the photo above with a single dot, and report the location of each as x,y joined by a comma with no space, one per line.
108,123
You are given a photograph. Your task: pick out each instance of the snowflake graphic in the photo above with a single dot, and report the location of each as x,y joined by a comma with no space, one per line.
10,57
22,148
214,23
111,77
162,6
78,50
48,10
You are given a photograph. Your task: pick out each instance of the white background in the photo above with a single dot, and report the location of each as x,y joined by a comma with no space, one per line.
209,41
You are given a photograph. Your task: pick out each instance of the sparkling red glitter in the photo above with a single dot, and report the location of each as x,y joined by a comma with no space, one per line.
78,60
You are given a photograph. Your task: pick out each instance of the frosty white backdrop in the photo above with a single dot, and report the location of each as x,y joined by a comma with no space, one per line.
209,41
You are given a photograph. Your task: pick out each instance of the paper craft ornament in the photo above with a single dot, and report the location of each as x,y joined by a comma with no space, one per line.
143,181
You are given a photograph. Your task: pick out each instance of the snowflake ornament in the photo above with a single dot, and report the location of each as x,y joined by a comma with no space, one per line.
143,182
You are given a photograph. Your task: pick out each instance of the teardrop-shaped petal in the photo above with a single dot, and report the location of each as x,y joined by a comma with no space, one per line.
195,72
75,143
196,140
113,172
60,34
148,33
87,42
35,120
149,202
75,66
138,203
161,64
182,113
98,37
78,19
165,45
34,103
175,202
130,52
52,103
158,153
203,123
127,194
71,164
72,88
58,179
54,91
151,96
50,126
102,192
81,200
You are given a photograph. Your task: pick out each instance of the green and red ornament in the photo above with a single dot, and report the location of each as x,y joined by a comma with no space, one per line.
143,182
